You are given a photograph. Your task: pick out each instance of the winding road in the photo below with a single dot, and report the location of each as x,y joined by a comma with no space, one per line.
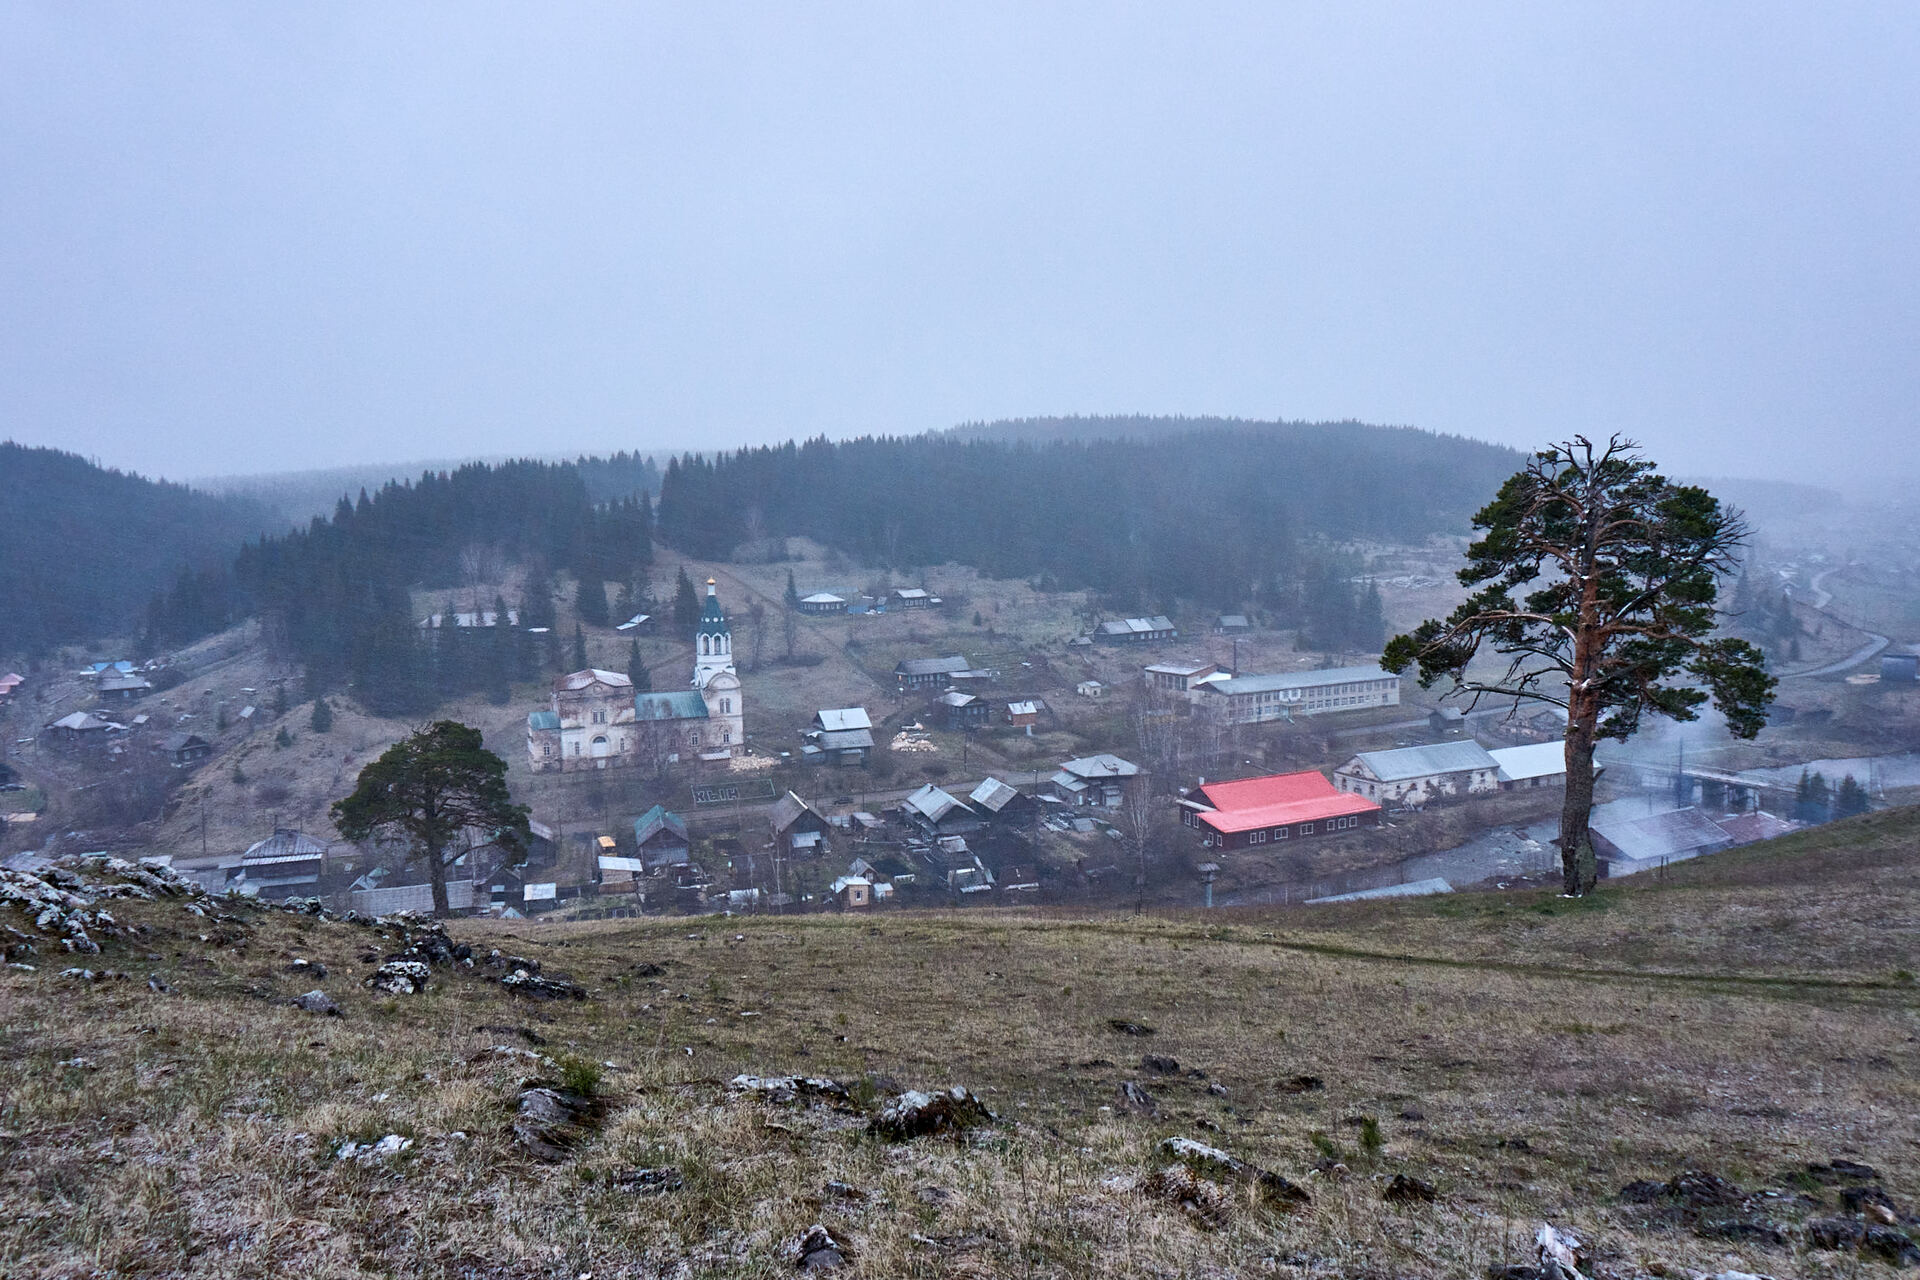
1865,653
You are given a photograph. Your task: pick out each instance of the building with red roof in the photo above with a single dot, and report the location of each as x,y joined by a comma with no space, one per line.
1279,806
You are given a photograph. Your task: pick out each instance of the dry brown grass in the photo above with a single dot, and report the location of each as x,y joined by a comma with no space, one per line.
199,1142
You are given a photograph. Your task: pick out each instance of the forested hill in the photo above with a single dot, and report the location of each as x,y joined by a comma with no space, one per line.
83,547
1138,426
301,495
1217,515
336,594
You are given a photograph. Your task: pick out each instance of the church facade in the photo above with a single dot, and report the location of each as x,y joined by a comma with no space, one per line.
597,721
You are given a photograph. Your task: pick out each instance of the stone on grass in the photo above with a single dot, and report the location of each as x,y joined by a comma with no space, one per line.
368,1152
788,1089
1134,1098
1558,1253
1215,1163
1889,1245
535,987
401,977
550,1121
1128,1027
817,1250
1871,1203
1160,1064
650,1181
1408,1190
914,1114
317,1001
1205,1202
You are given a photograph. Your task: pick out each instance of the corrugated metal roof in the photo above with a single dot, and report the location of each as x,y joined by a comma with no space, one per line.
1276,800
656,820
543,720
992,795
843,718
932,666
1424,762
1103,765
931,803
789,809
954,698
846,739
574,681
686,705
822,597
410,897
1676,833
1136,626
283,845
1282,680
1536,760
1410,889
81,721
1187,668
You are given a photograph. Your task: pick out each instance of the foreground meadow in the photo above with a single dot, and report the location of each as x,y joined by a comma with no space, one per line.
1524,1058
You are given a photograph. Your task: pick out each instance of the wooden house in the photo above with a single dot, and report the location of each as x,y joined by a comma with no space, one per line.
1135,630
798,829
928,673
660,840
964,710
1100,781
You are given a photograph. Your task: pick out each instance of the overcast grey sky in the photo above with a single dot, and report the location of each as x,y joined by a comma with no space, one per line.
260,236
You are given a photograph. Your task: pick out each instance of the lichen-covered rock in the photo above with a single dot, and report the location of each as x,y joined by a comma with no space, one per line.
401,977
786,1089
535,987
914,1114
550,1121
317,1001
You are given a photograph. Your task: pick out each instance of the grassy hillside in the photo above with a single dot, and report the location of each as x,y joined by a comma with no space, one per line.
1506,1050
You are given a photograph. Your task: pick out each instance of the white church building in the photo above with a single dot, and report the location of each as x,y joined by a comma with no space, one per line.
598,722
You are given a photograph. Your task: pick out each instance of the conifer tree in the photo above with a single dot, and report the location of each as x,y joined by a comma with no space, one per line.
322,719
686,601
590,601
637,670
1595,583
579,649
1850,799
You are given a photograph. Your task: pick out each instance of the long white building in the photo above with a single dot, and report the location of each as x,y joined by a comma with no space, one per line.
1254,699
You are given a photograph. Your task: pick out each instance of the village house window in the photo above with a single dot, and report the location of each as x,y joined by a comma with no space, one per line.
726,706
576,748
1256,837
1306,828
1279,833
